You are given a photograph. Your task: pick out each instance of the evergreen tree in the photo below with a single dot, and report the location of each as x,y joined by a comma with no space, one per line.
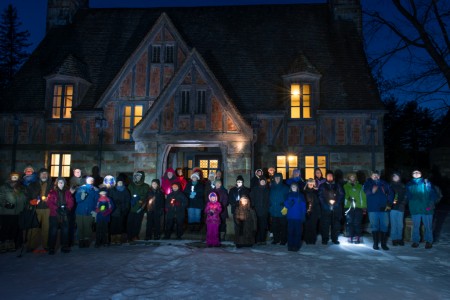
13,44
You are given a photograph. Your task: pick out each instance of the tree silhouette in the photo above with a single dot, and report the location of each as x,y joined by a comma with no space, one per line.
13,44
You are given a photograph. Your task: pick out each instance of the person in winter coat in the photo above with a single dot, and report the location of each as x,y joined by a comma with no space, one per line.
254,182
29,176
139,192
379,202
397,212
422,198
212,211
74,183
246,223
296,211
312,212
222,195
12,203
86,198
167,180
121,198
155,211
278,193
331,196
60,202
297,178
318,177
176,204
355,204
260,202
103,211
180,177
195,192
236,193
38,194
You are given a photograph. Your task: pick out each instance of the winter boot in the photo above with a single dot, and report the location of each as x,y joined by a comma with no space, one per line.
394,243
375,240
350,240
357,240
401,243
384,240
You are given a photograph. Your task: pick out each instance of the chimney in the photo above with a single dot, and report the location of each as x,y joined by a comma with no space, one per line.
61,12
349,10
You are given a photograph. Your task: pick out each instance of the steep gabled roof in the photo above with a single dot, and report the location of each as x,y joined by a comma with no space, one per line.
248,48
71,66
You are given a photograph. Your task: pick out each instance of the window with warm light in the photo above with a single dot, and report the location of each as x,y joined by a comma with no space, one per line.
60,165
131,115
315,161
300,101
286,164
62,101
208,166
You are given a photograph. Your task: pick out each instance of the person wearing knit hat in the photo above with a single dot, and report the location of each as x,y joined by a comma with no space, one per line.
155,211
12,203
180,176
212,211
176,203
60,203
240,178
260,202
222,193
86,198
121,199
235,193
29,176
195,192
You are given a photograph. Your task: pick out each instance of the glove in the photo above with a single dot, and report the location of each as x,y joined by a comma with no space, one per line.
284,211
388,208
93,214
34,202
192,196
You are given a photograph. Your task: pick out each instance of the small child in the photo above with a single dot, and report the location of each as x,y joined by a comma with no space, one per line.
296,212
246,223
212,210
103,210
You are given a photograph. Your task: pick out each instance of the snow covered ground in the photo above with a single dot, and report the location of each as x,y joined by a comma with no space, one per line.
181,269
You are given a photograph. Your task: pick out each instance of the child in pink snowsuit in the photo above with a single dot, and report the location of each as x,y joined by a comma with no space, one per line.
212,212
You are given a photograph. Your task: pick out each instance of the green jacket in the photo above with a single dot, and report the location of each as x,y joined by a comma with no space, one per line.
12,202
354,192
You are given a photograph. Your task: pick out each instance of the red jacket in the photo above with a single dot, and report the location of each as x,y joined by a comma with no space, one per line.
52,201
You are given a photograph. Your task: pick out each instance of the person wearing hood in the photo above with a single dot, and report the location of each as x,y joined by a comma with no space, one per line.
37,195
222,195
195,192
297,178
379,202
397,213
12,203
29,176
254,182
176,203
422,198
139,192
86,198
278,193
331,196
212,211
155,211
259,196
312,212
355,204
121,198
167,180
318,177
60,202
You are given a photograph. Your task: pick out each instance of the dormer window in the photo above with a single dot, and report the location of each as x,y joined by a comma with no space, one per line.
169,55
156,54
62,101
300,101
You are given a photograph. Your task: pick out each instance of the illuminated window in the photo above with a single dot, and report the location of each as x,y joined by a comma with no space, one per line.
169,56
62,101
286,165
60,165
208,165
315,161
300,101
184,105
201,102
131,115
156,54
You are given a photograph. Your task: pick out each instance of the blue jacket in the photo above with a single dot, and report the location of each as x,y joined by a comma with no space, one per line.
377,202
278,193
296,205
84,207
422,196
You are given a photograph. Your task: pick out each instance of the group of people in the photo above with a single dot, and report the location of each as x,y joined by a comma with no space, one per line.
293,210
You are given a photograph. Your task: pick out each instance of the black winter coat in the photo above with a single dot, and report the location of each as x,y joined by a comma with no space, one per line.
197,200
176,203
260,200
121,201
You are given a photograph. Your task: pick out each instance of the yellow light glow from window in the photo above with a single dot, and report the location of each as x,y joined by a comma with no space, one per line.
292,160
